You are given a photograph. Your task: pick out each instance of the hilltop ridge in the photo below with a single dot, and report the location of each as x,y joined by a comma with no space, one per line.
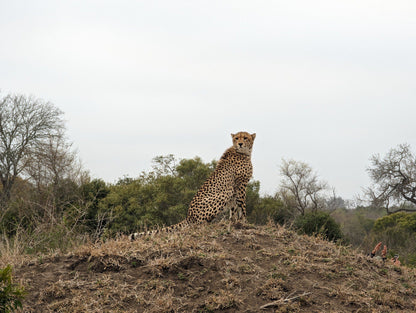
209,269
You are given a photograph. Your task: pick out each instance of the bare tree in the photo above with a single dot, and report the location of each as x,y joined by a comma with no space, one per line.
55,171
394,180
334,202
53,161
25,124
300,187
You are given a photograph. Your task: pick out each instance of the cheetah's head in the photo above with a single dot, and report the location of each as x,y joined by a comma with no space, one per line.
243,142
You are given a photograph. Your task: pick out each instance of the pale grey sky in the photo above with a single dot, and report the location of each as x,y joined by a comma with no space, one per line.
325,82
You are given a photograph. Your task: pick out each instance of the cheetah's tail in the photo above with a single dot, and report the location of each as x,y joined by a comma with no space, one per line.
166,229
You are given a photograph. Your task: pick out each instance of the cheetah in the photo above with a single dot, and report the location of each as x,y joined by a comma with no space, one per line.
224,189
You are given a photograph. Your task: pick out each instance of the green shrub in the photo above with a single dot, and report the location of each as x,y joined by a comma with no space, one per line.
160,197
268,207
11,295
398,232
406,221
91,194
314,223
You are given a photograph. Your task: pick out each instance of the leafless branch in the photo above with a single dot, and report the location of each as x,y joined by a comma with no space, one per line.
301,187
283,300
394,180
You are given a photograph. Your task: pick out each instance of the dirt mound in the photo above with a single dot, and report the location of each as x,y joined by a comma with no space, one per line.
208,269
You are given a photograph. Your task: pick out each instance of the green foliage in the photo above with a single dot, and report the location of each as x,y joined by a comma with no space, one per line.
194,172
405,221
92,193
357,223
313,223
45,238
160,197
252,197
261,209
11,295
398,232
274,208
9,222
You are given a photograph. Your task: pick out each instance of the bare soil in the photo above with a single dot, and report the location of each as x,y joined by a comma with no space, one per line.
211,269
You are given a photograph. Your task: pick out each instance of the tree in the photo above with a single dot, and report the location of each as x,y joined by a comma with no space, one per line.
52,161
194,171
55,171
335,202
394,180
300,187
25,124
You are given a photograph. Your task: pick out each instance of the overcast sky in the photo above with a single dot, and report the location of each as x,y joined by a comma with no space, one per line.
325,82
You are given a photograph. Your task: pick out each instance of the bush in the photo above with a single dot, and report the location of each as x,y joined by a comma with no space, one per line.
11,295
267,208
91,193
406,221
314,223
160,197
398,232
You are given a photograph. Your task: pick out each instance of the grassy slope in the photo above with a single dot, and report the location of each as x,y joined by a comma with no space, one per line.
210,269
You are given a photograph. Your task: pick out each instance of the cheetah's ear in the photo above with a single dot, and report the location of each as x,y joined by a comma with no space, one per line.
232,136
253,136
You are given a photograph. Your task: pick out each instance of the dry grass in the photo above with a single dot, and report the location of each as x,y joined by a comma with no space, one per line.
12,250
209,269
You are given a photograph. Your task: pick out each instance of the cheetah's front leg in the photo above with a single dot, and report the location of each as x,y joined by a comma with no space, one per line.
241,200
234,210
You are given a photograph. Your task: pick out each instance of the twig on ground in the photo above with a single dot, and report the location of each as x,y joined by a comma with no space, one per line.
280,301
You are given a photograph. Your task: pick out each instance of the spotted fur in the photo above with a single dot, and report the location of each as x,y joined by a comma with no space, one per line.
224,189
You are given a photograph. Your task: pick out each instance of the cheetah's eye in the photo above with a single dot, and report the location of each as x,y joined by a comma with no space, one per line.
245,138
